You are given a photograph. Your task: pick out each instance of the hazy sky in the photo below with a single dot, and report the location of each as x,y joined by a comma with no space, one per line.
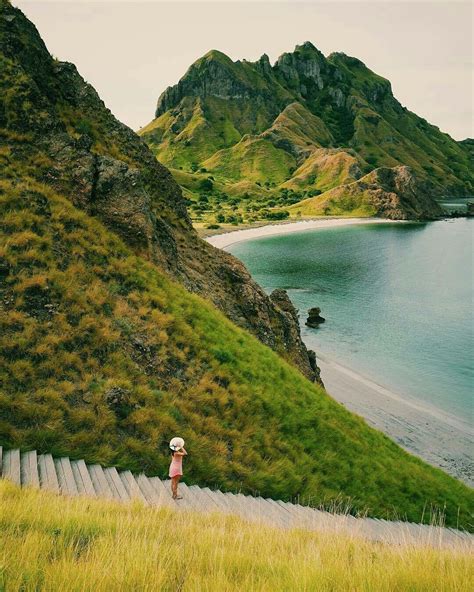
131,51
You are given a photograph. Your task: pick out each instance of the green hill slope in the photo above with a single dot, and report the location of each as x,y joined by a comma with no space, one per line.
55,129
106,358
106,353
266,136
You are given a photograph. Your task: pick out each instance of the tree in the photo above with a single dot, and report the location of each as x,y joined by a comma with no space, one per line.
206,184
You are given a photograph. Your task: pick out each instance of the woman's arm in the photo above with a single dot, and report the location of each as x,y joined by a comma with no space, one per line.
182,452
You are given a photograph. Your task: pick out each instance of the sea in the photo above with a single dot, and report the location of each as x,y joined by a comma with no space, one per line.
397,299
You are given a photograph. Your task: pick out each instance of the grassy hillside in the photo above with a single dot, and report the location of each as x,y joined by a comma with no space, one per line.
106,358
269,136
372,194
54,128
105,351
107,547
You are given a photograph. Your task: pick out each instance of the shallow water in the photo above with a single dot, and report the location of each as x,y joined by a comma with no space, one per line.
397,299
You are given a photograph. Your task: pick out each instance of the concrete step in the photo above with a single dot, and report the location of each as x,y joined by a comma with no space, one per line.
67,483
164,493
204,502
74,477
82,478
29,469
99,481
151,496
11,466
187,502
234,503
215,503
282,512
131,486
252,508
116,485
47,473
218,499
268,512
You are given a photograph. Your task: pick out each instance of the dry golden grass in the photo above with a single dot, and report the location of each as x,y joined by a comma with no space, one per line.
52,543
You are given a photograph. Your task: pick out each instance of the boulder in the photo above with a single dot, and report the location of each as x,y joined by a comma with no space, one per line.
314,318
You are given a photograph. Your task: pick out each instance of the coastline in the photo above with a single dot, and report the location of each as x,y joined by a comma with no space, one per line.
428,432
226,239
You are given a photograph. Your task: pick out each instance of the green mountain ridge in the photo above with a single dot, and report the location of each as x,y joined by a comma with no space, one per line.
259,135
106,352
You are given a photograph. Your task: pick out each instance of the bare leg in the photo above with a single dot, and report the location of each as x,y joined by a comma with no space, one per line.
174,486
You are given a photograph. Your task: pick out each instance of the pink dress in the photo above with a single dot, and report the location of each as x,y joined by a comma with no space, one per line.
176,466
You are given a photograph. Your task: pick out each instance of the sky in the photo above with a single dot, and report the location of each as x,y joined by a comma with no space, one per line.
131,51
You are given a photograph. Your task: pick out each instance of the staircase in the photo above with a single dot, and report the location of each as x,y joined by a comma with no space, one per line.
75,477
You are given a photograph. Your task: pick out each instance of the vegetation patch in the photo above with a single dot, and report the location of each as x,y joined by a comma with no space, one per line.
73,544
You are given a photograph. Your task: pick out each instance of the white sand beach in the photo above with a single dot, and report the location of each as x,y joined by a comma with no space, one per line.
224,240
437,437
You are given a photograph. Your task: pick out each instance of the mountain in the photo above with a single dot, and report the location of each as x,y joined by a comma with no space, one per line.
247,140
56,130
106,351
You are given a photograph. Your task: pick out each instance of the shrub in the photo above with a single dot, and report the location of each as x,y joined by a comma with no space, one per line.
277,215
206,184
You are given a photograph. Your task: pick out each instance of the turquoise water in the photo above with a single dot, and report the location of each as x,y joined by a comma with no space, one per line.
397,299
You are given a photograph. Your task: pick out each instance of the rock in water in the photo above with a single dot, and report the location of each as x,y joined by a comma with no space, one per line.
314,318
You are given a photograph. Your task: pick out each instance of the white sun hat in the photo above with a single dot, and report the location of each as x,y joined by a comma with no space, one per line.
176,443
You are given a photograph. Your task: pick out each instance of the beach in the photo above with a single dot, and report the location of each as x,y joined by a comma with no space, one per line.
442,439
224,240
426,431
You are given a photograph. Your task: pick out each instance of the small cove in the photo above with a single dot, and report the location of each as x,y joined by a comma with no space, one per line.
397,299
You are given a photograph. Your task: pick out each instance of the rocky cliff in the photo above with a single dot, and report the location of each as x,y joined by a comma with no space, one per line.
57,131
394,193
260,131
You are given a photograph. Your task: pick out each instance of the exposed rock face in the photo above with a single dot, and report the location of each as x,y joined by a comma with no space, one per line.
214,76
305,64
57,130
281,299
397,193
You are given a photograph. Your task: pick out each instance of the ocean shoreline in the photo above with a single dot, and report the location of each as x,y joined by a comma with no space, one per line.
439,438
226,239
428,432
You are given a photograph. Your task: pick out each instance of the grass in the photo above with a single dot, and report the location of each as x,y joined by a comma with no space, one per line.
106,358
93,545
253,159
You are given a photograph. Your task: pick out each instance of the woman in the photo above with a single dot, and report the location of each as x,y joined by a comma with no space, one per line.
176,466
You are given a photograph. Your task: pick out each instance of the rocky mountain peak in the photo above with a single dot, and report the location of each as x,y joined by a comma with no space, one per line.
306,45
305,64
263,64
215,74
